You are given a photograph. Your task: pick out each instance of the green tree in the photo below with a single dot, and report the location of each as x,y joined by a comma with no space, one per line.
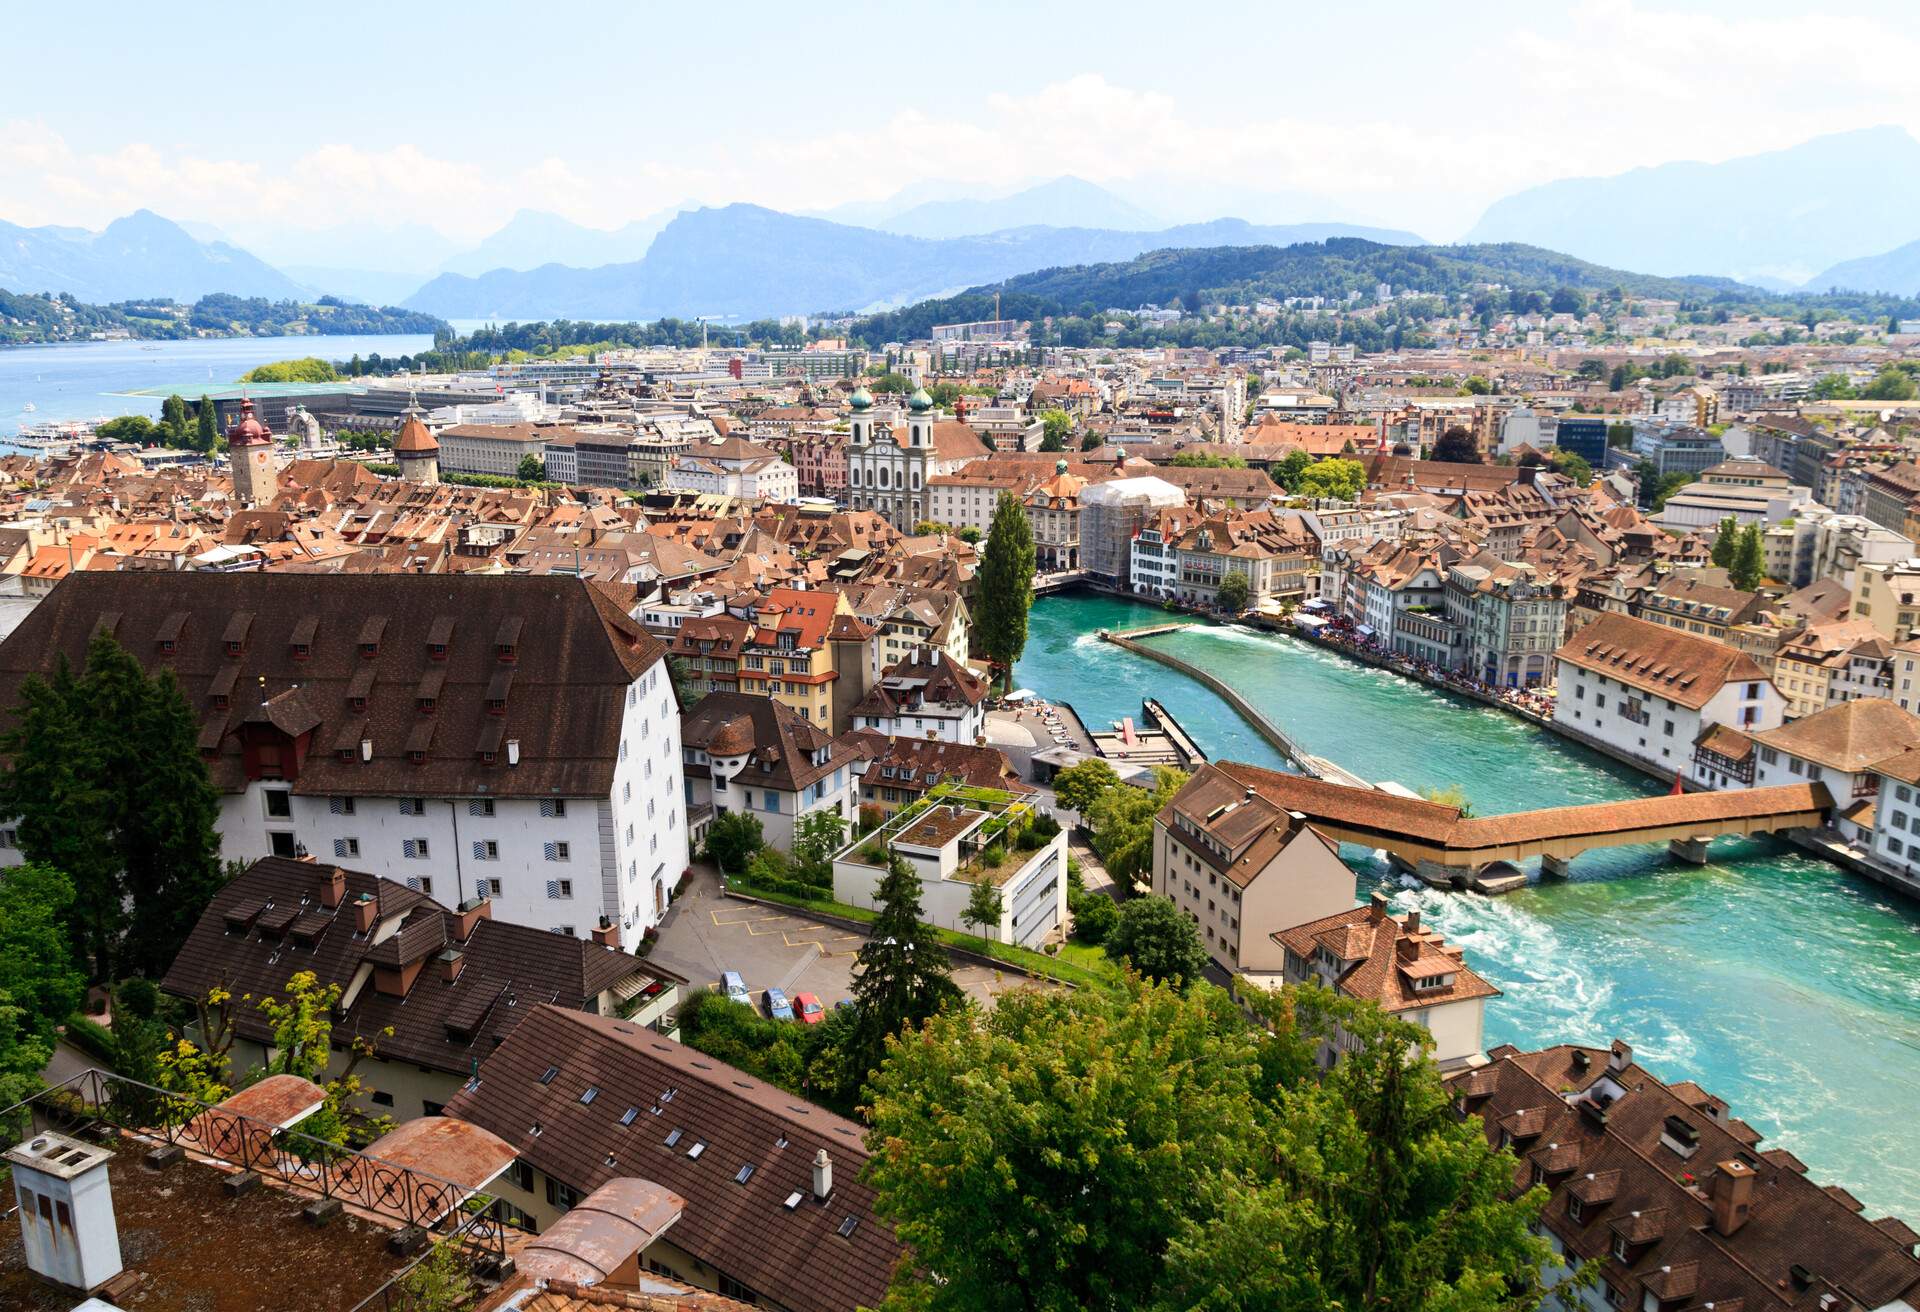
1206,460
1668,485
1749,569
732,839
52,787
984,907
1003,589
37,970
1476,386
1089,441
1619,436
1572,465
968,534
1122,823
439,1282
900,975
1068,1109
1726,543
169,835
307,369
532,469
1094,915
1387,1198
206,433
1890,384
1287,473
1832,387
1158,940
1456,446
23,1054
817,837
136,429
173,421
1078,787
1057,427
1334,478
1234,593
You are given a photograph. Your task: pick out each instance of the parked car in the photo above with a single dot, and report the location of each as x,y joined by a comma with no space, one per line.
734,987
809,1009
846,1004
778,1008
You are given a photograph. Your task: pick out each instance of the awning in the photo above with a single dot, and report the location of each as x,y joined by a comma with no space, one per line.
1365,631
1020,695
1314,603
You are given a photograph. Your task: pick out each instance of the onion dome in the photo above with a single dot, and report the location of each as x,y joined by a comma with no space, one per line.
248,430
919,401
861,399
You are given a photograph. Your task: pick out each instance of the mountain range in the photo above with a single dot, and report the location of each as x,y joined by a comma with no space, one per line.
1782,216
141,255
745,261
1065,202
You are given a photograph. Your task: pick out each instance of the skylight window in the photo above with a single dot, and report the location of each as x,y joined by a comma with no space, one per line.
673,1137
548,1077
699,1146
626,1117
793,1200
847,1226
744,1174
587,1098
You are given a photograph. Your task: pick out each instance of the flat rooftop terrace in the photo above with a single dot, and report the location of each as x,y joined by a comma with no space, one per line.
193,1248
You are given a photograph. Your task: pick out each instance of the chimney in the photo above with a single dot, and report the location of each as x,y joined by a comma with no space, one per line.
1377,908
1411,925
67,1225
333,887
1732,1196
366,749
366,912
822,1175
468,917
452,961
1407,948
1620,1056
606,933
513,751
1248,795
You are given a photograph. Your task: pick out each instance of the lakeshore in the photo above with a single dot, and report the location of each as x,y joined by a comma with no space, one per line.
1747,974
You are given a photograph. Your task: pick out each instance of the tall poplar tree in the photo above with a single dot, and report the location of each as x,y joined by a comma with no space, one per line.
1003,591
1726,543
208,431
1750,564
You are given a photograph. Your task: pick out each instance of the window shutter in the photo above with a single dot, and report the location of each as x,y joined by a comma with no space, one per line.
553,888
479,850
546,808
407,848
552,851
339,847
335,807
479,888
406,806
413,882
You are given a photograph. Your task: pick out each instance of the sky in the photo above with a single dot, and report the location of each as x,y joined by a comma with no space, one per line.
304,131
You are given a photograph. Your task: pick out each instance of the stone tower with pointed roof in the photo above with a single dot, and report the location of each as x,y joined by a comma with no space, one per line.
250,448
416,450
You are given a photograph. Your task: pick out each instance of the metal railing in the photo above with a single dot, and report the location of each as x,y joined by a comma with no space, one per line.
94,1099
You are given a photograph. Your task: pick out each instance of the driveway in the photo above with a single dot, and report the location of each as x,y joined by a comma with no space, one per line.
705,933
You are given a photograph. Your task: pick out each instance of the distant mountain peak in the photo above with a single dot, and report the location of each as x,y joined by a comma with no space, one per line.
1787,212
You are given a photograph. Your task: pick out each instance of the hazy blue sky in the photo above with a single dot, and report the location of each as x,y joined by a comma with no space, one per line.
270,117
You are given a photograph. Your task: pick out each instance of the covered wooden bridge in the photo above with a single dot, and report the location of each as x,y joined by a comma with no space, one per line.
1451,850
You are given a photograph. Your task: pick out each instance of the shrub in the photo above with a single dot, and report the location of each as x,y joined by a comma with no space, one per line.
872,816
1094,916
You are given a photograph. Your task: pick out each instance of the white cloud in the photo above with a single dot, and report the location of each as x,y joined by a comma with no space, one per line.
1602,86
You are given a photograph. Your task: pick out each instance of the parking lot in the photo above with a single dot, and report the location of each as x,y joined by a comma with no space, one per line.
705,933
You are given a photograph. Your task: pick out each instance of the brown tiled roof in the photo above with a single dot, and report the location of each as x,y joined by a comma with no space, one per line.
1851,736
921,763
1683,668
806,1258
504,970
1388,953
1798,1242
574,657
778,741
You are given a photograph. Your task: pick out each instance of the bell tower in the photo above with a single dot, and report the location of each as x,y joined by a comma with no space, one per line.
250,449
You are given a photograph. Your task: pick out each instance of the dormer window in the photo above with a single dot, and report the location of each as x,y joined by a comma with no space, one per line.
1576,1210
425,705
440,638
1620,1246
436,651
417,756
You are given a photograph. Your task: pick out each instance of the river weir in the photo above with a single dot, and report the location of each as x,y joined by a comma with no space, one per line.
1777,981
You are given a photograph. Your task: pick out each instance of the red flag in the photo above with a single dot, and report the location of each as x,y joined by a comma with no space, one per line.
1679,789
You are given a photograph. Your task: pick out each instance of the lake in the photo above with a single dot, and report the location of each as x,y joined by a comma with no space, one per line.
79,380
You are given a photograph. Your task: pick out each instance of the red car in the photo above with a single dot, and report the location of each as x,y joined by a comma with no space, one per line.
807,1009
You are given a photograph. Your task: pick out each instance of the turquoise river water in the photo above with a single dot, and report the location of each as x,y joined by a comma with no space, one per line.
1781,983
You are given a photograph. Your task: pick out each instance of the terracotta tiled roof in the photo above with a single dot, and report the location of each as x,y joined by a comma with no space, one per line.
1385,956
1849,737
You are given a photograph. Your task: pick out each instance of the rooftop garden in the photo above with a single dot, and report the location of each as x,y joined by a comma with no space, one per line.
1010,827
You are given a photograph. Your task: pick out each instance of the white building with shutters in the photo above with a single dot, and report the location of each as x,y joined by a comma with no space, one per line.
514,737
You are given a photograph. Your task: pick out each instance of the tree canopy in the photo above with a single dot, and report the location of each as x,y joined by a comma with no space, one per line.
1333,478
307,369
1122,823
900,975
1078,786
1456,446
1163,1153
1234,592
1158,940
